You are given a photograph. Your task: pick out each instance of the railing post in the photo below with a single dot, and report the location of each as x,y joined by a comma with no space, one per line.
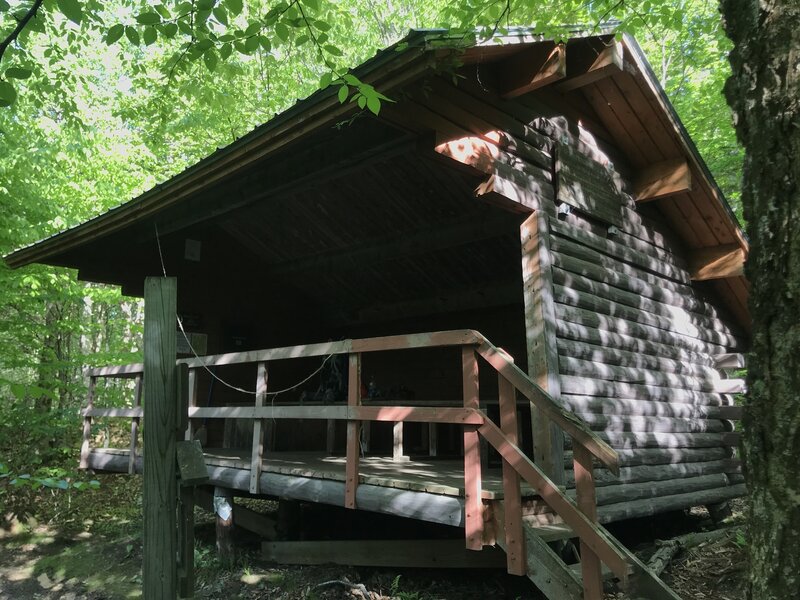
137,402
353,433
591,569
87,423
473,505
192,402
512,496
258,429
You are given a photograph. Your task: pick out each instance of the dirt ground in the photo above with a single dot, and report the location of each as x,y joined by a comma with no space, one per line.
89,548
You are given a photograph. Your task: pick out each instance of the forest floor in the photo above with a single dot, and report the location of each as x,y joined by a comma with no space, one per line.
87,546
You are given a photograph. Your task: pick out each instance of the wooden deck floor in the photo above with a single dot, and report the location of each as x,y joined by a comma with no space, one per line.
434,475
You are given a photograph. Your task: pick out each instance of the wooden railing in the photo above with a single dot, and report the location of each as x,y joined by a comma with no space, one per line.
587,446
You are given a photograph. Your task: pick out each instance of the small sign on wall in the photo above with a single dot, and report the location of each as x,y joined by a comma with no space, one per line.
198,341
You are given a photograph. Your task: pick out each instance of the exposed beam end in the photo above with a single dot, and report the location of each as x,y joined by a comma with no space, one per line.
587,67
663,179
533,68
717,262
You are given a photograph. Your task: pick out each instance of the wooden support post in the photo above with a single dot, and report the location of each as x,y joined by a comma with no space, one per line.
512,496
397,441
87,424
540,322
433,441
330,437
186,542
160,477
591,569
353,433
190,430
258,429
473,505
223,509
137,402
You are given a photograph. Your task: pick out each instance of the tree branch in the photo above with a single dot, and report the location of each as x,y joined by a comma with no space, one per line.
20,26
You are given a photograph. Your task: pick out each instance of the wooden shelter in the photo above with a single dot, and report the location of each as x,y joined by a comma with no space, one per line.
535,205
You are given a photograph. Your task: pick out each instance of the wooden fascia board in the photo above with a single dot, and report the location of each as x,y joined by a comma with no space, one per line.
663,179
531,69
637,64
580,73
717,262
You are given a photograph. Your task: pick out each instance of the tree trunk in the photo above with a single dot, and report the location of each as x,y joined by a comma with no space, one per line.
764,93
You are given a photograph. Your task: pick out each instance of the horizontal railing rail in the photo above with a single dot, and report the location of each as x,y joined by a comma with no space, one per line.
587,445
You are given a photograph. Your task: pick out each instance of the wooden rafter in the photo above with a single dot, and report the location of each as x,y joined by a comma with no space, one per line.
531,69
590,65
663,179
717,262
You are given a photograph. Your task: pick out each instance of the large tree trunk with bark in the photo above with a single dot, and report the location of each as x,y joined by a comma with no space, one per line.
764,93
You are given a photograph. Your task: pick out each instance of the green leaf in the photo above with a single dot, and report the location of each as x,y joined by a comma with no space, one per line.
282,31
333,50
225,51
18,73
205,4
350,79
251,45
149,18
265,43
344,91
234,6
114,33
221,14
301,40
169,30
252,29
373,104
149,35
94,484
204,44
71,9
211,60
4,6
325,80
313,4
322,25
132,35
362,101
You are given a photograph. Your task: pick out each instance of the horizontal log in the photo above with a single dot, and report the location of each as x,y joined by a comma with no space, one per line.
621,252
590,318
612,494
636,440
729,361
592,336
612,356
663,472
521,187
607,406
664,291
653,506
614,423
663,179
717,262
629,457
676,326
484,156
674,315
595,370
635,391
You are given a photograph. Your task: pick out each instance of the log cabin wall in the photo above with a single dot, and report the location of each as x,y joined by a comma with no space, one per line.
633,339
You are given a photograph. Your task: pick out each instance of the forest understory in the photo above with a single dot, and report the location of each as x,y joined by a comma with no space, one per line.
87,546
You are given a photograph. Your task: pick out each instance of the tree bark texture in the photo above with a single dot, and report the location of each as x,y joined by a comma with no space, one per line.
764,93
